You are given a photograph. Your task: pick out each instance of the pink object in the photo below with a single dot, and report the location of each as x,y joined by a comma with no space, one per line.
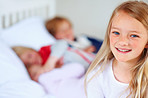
65,82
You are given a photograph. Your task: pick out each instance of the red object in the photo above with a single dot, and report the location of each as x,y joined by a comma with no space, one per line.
45,53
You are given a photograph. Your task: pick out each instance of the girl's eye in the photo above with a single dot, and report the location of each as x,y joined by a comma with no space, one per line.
116,33
134,36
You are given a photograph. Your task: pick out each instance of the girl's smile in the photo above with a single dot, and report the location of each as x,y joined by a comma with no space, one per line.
123,50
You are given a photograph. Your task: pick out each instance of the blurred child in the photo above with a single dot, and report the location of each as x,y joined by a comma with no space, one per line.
53,56
61,28
64,81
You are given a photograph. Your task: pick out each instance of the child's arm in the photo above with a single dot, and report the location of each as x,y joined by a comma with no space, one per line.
90,49
57,51
33,70
50,63
36,71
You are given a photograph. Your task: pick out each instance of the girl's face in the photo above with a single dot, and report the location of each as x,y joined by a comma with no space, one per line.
128,38
31,57
64,31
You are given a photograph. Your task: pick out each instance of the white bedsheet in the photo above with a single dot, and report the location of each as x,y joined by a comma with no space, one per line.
23,89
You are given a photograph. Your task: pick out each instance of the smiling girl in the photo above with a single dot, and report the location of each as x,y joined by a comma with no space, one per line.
119,69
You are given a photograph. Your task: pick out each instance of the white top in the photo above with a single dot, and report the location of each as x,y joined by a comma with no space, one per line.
104,85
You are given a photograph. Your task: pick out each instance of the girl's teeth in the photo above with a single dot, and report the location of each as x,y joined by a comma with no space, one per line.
123,50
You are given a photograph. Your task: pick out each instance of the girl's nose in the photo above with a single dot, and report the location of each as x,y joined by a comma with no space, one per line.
123,41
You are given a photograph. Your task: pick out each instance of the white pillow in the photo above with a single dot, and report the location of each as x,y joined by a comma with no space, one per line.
11,67
30,32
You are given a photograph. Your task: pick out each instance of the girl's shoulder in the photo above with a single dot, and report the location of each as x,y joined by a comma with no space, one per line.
101,72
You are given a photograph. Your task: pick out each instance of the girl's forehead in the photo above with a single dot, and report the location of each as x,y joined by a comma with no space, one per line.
126,23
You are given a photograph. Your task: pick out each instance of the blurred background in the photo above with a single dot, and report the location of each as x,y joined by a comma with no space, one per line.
87,16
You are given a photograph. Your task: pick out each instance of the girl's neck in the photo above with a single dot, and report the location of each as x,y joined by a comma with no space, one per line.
122,71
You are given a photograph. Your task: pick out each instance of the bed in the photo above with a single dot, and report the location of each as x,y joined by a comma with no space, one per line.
24,25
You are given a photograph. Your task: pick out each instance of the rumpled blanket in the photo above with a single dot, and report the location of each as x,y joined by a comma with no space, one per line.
65,82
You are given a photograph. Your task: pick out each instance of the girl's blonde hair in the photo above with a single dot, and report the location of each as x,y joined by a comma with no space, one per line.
139,83
53,24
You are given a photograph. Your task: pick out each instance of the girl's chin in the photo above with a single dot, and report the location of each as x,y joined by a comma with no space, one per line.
119,59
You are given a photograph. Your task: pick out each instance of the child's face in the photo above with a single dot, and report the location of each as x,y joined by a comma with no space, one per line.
64,31
30,57
128,38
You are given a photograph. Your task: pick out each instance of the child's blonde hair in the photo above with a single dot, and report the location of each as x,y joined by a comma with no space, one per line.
139,82
53,24
19,50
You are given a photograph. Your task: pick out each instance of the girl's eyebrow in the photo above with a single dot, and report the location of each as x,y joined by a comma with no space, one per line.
114,27
134,31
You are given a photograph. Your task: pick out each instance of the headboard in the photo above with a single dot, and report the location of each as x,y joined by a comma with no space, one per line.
13,11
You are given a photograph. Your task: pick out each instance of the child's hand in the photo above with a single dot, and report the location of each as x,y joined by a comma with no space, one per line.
90,49
47,67
59,63
33,71
40,71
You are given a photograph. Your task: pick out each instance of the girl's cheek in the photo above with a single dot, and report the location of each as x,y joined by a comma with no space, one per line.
133,44
111,39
